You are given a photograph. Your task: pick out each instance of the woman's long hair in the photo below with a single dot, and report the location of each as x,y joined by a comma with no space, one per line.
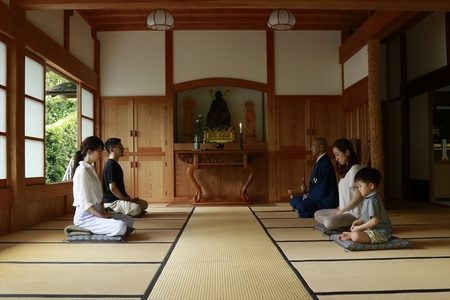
343,145
90,143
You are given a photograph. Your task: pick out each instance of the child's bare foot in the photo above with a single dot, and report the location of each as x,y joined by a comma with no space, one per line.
345,236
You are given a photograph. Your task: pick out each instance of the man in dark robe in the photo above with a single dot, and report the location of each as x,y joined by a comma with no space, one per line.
323,190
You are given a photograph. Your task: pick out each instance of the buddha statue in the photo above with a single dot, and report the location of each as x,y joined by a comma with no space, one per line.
218,117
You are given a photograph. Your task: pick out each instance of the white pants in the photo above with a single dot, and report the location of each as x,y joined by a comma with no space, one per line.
117,225
127,207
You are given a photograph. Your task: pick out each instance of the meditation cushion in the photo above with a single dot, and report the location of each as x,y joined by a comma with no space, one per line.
393,243
78,234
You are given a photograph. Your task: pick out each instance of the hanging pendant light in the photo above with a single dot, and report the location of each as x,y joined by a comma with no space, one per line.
160,19
281,19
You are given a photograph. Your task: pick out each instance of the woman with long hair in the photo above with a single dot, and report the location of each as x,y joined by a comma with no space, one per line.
350,199
87,194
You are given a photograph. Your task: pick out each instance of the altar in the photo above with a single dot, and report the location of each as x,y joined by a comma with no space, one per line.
199,159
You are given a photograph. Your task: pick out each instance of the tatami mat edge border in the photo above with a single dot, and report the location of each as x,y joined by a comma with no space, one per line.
166,258
368,259
383,292
296,272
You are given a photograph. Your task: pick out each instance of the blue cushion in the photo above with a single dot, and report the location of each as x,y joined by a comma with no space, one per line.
99,238
393,243
95,238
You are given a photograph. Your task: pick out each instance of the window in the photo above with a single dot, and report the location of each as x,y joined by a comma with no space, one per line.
34,119
52,128
3,153
60,126
87,114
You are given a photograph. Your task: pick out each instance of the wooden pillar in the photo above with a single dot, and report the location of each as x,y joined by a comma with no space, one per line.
16,129
272,142
375,126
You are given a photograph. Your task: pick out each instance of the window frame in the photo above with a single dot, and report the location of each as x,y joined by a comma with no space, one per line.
4,181
38,179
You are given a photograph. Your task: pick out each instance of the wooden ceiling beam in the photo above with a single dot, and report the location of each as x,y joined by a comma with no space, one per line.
404,5
378,26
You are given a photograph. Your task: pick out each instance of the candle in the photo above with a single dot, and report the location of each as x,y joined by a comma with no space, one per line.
240,128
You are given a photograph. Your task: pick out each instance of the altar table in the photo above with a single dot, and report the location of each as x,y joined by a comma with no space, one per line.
204,158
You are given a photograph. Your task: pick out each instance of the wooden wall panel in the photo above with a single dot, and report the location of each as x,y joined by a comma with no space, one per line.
291,174
149,179
40,211
293,123
5,221
149,119
356,95
327,118
117,121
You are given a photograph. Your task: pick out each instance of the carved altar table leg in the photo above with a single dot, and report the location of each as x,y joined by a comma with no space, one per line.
249,171
190,175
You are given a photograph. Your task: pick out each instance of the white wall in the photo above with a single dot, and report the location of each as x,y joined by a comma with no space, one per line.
132,63
50,22
418,132
229,54
356,68
81,42
307,63
426,46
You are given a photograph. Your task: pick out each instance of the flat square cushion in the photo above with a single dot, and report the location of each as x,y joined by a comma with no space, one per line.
393,243
97,238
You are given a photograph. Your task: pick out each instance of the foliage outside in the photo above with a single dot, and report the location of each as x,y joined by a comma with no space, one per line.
60,146
60,131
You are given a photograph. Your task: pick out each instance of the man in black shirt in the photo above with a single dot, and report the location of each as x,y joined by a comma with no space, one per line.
115,196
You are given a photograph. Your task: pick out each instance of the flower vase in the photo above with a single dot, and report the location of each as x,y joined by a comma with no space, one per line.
196,142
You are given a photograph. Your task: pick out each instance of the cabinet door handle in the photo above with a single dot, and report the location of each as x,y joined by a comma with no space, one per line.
131,132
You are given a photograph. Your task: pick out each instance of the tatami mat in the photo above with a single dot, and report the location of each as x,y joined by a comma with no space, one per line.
76,279
237,262
225,254
159,223
153,236
282,215
34,236
312,251
296,234
162,215
83,252
401,220
429,231
422,274
273,223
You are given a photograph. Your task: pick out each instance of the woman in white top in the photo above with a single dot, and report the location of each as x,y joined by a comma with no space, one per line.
87,194
350,199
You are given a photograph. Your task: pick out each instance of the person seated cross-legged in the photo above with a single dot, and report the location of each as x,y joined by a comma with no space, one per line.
323,191
114,194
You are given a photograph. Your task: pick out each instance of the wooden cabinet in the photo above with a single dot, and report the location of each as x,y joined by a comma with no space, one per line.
300,120
442,180
140,123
